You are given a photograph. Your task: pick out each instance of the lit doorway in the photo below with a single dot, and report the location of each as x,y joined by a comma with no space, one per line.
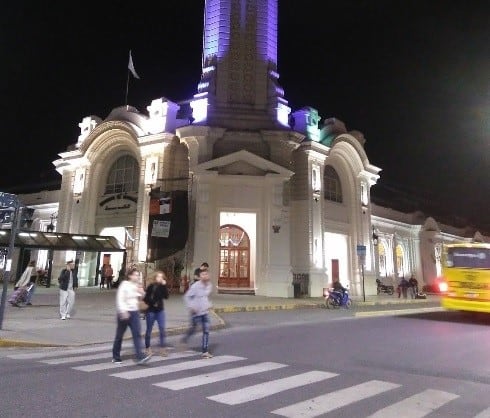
115,259
234,266
237,241
337,257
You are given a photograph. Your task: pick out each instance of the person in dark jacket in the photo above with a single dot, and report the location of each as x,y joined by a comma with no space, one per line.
403,288
68,282
414,286
197,272
155,293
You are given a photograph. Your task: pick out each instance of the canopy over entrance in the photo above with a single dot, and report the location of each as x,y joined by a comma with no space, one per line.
61,242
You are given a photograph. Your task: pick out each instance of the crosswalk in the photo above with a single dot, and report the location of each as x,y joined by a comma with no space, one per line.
268,385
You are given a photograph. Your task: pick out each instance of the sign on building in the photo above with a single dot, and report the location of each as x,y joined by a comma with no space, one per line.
161,229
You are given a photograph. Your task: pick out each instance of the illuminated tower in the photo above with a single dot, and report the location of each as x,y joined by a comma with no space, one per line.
239,87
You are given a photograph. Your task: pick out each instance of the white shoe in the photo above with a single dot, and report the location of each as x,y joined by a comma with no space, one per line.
68,316
63,317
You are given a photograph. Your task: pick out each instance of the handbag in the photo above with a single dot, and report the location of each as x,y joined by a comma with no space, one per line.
143,307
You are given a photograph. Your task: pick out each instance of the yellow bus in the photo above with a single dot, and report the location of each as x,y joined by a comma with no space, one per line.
466,277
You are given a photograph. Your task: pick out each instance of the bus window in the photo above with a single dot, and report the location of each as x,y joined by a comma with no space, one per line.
471,258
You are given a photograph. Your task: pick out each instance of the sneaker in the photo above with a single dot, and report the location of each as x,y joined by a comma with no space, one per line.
117,361
207,354
68,316
63,317
144,359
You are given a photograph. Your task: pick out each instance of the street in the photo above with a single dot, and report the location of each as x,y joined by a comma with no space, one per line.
308,362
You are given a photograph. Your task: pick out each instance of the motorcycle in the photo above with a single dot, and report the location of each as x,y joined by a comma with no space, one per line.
335,299
384,288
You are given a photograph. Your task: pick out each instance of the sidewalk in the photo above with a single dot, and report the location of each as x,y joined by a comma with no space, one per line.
94,318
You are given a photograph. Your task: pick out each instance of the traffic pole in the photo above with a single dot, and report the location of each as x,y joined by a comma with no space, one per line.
8,264
362,273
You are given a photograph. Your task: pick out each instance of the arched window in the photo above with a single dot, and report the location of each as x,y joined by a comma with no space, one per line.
332,185
400,260
382,259
123,176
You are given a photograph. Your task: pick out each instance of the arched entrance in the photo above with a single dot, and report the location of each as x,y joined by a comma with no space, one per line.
234,262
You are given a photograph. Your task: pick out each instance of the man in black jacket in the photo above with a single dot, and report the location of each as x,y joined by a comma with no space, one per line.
68,281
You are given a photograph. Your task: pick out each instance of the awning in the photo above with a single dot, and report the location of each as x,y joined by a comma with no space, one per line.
61,242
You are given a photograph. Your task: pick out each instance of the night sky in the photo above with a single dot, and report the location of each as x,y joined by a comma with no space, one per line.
413,76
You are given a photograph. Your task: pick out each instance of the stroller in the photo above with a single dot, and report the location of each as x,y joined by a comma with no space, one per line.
19,296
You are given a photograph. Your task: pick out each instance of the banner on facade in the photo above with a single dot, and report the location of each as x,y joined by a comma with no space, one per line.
168,224
161,205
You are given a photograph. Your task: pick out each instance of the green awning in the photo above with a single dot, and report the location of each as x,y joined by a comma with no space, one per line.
61,242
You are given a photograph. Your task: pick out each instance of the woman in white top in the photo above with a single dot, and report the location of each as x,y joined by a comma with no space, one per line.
128,296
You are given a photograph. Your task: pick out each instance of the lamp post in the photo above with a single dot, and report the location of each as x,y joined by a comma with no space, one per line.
375,240
9,202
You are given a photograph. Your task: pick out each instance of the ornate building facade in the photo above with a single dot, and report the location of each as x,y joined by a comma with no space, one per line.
279,200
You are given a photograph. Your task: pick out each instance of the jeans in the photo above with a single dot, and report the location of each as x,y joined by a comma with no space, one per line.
122,324
151,317
30,293
195,320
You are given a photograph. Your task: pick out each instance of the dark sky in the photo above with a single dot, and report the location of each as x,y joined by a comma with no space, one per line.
413,76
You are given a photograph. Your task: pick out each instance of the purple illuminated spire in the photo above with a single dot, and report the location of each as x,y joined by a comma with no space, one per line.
239,63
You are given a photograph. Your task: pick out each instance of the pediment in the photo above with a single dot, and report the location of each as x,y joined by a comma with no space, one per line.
243,163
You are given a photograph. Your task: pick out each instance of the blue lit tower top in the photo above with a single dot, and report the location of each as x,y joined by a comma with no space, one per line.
239,66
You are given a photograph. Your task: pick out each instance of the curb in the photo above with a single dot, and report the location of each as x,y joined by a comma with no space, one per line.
18,343
256,308
5,343
391,302
397,312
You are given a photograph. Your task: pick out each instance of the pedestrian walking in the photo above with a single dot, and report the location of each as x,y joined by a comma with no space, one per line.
203,267
155,293
68,282
197,301
128,295
107,276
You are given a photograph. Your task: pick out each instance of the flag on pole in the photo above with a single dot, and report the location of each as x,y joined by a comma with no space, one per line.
131,66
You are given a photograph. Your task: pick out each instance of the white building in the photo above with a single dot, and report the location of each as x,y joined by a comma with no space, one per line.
276,198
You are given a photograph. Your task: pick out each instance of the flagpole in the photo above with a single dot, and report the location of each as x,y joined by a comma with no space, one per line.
127,89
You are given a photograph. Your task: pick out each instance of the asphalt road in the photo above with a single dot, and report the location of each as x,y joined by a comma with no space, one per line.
287,363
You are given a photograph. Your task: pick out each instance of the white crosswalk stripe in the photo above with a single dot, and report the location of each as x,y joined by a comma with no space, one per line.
483,414
58,353
77,359
334,400
416,406
177,367
272,387
108,366
205,379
